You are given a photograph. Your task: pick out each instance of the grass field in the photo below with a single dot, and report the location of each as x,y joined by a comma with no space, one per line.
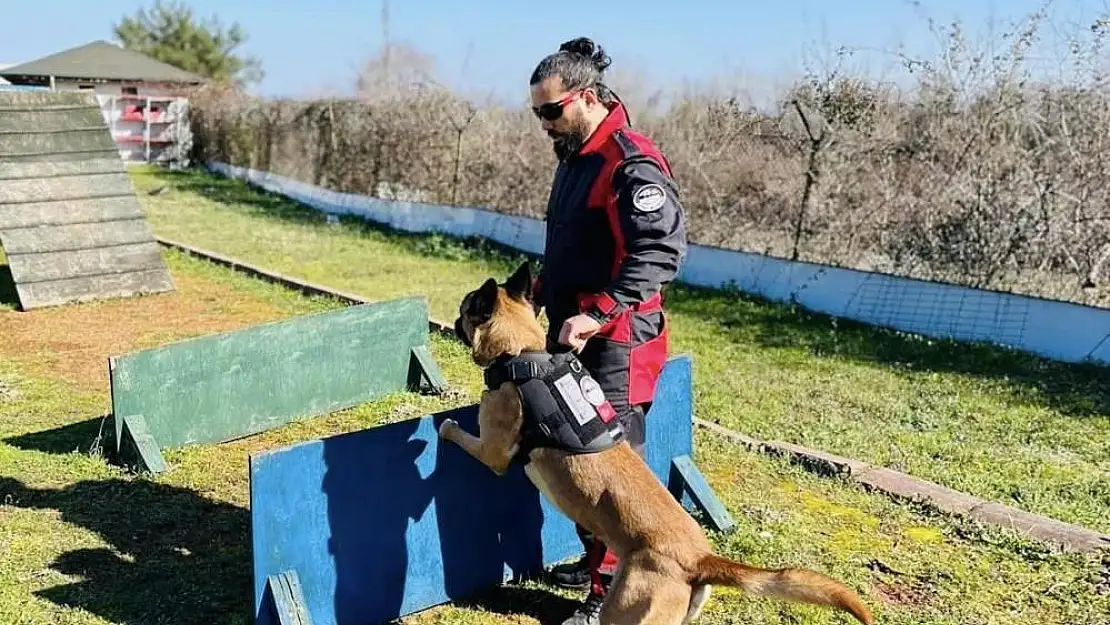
1006,427
84,543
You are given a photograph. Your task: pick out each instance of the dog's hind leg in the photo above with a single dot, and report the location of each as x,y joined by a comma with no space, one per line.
697,601
644,595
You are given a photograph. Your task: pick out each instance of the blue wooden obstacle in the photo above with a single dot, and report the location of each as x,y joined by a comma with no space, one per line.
365,527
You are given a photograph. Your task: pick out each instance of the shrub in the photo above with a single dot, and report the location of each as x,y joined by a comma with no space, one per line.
978,174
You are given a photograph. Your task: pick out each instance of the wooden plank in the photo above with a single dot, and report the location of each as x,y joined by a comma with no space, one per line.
51,120
96,139
61,129
75,236
45,99
63,212
67,155
49,110
439,524
75,290
226,386
19,108
65,187
27,268
13,171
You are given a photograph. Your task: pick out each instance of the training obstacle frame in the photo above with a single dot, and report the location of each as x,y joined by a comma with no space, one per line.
70,224
226,386
369,526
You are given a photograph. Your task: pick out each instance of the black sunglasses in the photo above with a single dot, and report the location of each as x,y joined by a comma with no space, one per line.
554,110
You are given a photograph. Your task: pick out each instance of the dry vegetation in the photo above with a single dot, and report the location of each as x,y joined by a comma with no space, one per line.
979,173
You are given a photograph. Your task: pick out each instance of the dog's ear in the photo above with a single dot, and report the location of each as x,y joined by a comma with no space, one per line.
485,300
519,285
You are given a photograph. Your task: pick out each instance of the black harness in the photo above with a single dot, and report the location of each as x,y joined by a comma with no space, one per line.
564,407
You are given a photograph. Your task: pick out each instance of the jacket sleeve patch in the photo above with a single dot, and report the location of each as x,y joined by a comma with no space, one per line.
649,198
652,228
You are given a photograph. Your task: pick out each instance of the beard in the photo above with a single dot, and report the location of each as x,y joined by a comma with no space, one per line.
568,143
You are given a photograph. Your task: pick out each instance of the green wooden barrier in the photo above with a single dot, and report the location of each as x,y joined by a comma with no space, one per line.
226,386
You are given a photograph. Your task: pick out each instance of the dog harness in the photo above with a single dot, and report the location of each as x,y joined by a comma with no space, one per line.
564,407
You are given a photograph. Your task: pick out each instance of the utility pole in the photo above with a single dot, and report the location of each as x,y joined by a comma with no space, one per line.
386,48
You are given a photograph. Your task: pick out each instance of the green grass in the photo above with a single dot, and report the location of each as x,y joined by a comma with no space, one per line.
8,298
83,543
1005,426
87,544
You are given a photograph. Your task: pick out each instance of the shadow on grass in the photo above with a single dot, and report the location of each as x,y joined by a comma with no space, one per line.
512,601
1072,389
8,296
172,556
81,437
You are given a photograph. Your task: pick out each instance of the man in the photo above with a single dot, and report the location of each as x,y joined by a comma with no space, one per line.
616,235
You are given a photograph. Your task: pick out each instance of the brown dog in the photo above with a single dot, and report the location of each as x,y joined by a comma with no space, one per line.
667,564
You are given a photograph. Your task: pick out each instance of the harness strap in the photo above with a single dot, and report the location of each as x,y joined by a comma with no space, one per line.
560,402
606,303
526,366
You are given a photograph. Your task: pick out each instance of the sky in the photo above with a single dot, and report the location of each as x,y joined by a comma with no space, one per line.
489,47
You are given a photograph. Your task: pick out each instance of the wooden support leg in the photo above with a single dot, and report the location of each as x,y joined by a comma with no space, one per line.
686,477
288,604
424,374
138,447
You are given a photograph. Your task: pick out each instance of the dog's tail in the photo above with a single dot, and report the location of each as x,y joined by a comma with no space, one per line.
791,584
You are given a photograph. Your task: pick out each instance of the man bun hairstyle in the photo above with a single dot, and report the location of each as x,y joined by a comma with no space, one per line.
580,63
584,46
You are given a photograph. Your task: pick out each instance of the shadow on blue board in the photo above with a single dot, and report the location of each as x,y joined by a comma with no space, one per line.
384,522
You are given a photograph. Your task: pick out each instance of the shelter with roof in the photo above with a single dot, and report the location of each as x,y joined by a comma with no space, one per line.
103,67
142,98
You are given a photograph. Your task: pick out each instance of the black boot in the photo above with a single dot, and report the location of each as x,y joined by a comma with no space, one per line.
600,567
574,575
589,613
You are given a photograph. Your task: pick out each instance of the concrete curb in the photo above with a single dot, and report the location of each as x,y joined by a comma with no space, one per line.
892,483
905,487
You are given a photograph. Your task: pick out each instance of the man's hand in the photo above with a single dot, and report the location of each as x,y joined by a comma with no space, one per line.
577,330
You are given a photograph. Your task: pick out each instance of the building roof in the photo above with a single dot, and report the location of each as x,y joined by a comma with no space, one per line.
100,60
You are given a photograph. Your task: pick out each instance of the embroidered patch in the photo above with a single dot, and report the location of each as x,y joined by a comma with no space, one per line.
649,198
576,401
607,412
592,390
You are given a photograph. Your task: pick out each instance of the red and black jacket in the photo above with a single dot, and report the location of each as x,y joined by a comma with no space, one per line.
616,235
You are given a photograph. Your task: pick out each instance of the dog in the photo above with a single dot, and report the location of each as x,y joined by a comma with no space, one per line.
667,565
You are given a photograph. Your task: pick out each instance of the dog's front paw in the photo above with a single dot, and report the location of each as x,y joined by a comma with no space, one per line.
448,428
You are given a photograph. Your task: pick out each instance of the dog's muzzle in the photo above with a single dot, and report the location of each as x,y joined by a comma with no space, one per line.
460,334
